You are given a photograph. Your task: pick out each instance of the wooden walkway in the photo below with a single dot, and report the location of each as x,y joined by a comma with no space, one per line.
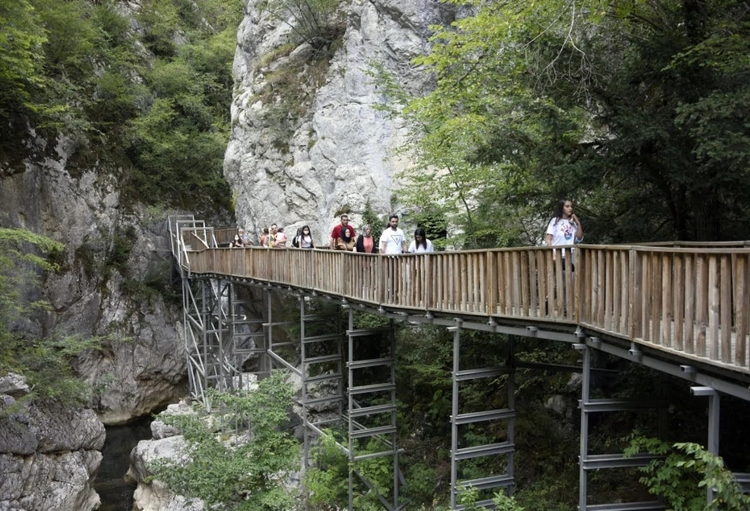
691,301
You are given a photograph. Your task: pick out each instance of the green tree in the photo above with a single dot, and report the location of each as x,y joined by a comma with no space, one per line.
79,69
683,474
21,58
633,109
240,456
315,22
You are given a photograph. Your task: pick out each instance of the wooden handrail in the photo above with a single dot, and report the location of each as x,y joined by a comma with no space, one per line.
694,301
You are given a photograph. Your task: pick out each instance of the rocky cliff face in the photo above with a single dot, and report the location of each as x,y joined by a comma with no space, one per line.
340,154
102,288
48,455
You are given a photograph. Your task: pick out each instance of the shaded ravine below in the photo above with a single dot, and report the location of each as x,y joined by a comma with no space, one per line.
115,493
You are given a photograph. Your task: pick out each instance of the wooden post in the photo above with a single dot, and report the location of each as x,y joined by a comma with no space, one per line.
741,309
666,300
725,328
700,304
679,289
713,312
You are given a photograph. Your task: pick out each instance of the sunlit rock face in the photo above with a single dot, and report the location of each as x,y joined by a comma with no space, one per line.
101,288
341,153
48,456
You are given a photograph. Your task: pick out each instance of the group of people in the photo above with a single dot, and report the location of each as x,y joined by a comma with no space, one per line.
564,229
391,242
344,237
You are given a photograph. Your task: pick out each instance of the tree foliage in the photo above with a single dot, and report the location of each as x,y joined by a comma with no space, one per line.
151,106
45,362
315,22
683,474
635,109
245,472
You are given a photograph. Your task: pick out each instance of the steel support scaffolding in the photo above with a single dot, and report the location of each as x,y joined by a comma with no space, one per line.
206,336
458,419
321,361
589,462
712,445
371,410
247,335
220,336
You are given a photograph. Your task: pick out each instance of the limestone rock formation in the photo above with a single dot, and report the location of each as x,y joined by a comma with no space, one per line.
341,152
167,444
48,457
102,288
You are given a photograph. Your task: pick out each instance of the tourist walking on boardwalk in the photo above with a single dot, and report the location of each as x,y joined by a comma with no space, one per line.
271,239
236,241
342,235
421,243
304,238
366,241
280,241
264,237
392,241
243,237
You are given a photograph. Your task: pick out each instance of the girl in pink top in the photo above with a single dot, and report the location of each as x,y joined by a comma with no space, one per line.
366,241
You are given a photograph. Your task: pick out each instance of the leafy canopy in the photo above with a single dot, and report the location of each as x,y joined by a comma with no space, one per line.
151,107
635,109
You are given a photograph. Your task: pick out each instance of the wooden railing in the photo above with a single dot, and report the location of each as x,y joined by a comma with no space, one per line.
695,301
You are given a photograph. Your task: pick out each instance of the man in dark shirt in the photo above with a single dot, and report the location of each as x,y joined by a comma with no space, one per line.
342,235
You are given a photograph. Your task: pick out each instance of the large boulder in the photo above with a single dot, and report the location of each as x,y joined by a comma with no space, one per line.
49,456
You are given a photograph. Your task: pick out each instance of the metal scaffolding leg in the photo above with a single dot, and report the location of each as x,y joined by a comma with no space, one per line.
321,359
219,336
247,334
204,336
588,462
372,410
714,404
458,419
272,344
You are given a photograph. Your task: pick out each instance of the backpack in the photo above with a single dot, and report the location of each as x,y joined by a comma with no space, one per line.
295,241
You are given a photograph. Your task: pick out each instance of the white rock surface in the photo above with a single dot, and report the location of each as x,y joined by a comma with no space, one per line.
342,153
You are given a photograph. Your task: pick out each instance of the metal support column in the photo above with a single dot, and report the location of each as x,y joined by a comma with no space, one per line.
321,361
205,328
457,419
248,337
713,427
372,411
596,462
454,413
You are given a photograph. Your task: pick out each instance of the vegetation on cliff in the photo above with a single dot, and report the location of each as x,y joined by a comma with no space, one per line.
143,94
241,455
44,360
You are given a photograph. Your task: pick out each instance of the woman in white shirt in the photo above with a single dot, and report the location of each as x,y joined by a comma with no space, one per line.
564,228
420,243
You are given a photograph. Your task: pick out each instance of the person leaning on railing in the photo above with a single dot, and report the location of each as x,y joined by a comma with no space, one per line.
421,243
392,241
